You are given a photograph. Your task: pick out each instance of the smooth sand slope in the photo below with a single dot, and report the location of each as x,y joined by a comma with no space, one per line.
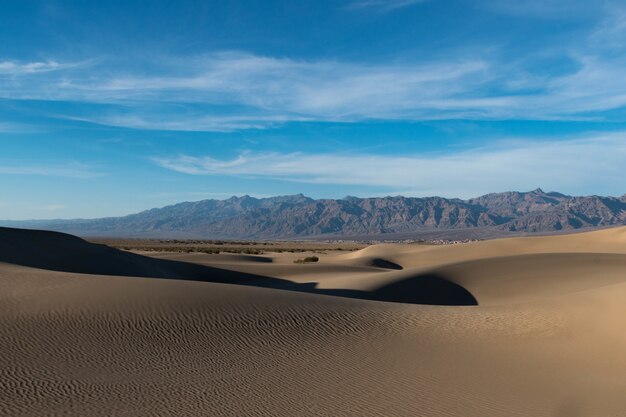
511,327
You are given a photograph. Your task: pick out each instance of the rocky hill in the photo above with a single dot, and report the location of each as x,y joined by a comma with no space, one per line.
300,216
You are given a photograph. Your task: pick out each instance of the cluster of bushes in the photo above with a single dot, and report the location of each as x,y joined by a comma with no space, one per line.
308,259
185,248
209,251
213,251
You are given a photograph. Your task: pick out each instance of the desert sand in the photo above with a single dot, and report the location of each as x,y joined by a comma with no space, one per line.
509,327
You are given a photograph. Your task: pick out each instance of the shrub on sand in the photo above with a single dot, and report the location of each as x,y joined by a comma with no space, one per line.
307,260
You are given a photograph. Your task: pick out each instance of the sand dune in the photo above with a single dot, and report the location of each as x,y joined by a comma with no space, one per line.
601,241
523,327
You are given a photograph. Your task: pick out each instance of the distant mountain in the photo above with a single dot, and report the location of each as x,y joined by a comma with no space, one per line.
299,216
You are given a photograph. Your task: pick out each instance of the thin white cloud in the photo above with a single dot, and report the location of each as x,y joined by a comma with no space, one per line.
11,127
589,163
200,123
382,5
610,34
67,170
257,92
261,92
235,90
544,9
18,68
282,84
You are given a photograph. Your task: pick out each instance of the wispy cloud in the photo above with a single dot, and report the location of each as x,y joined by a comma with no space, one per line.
610,34
278,84
382,5
589,163
236,90
545,9
242,91
11,127
68,169
21,68
191,123
255,92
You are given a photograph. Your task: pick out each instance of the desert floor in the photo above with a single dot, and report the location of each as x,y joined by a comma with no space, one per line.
509,327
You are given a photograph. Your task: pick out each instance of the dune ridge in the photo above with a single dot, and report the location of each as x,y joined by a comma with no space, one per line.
87,330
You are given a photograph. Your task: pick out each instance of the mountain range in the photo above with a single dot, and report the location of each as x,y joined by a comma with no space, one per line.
297,216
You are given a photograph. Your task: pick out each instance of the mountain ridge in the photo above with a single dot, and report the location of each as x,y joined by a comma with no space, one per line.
294,216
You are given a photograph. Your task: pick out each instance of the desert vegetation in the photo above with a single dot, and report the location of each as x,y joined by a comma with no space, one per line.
213,247
307,260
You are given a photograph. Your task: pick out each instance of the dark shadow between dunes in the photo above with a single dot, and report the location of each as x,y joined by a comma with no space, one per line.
66,253
429,289
384,263
422,289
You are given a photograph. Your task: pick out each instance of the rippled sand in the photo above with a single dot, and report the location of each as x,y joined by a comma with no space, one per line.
511,327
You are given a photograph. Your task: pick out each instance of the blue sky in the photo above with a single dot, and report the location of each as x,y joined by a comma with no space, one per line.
108,108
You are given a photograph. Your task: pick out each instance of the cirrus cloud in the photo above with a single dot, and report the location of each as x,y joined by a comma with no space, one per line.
66,169
569,166
580,79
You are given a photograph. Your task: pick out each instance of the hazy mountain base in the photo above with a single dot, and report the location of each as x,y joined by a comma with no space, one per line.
386,218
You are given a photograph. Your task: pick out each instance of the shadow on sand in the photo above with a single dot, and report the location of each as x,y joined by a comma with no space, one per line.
66,253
